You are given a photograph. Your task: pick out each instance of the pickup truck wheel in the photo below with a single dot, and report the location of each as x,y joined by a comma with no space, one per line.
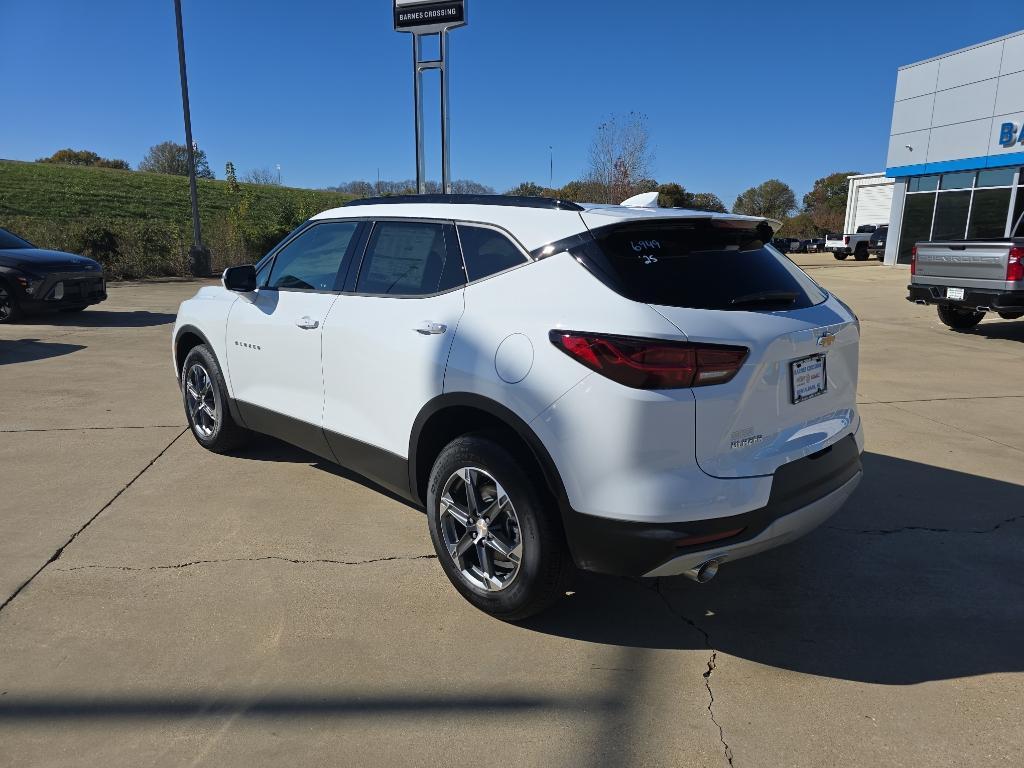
839,256
495,535
205,396
860,253
1011,315
959,319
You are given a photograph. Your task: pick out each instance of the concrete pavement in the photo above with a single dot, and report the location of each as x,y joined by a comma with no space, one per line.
172,607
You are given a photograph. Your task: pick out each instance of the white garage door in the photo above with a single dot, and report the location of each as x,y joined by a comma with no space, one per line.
873,203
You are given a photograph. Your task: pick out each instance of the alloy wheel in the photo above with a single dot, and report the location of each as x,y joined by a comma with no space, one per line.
6,304
200,400
480,529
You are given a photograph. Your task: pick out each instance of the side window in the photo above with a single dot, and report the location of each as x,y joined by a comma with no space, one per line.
311,261
408,258
487,251
263,272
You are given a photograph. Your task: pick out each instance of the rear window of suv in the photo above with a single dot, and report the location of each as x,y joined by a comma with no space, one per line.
700,264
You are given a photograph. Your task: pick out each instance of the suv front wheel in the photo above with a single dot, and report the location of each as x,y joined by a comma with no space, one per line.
205,396
497,540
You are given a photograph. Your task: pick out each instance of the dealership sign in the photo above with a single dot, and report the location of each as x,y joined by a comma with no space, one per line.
1008,135
425,17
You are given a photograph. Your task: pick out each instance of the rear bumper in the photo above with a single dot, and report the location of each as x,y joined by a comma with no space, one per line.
839,249
803,494
997,301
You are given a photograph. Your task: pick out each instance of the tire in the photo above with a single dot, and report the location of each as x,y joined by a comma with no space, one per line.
860,253
959,319
527,523
840,256
205,397
10,310
1011,315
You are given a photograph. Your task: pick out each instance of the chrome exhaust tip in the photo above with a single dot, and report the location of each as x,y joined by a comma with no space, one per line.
704,572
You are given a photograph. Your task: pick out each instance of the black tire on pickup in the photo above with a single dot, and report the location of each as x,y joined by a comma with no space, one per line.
1011,315
959,319
840,256
860,253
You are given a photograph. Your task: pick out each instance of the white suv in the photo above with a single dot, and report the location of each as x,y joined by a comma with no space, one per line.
635,391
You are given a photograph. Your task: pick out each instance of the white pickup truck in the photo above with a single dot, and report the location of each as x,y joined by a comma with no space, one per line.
966,279
857,243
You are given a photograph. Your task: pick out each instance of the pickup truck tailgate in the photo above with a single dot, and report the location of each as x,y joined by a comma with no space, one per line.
961,260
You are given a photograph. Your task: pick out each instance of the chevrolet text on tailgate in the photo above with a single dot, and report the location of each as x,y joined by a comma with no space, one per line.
966,279
624,389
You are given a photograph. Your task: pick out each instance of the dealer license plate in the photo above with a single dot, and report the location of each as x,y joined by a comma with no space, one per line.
808,377
957,294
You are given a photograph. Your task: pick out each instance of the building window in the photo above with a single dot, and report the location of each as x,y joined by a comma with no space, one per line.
917,223
952,206
988,214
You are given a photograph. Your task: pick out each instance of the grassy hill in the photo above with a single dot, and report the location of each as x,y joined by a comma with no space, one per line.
139,224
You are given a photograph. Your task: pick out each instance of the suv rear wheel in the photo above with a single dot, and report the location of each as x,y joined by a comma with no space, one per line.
495,536
860,253
205,396
959,319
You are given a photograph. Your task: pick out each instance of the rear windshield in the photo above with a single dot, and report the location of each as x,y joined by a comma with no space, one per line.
7,240
701,264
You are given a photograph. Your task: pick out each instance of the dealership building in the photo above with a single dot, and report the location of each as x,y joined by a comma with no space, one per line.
956,147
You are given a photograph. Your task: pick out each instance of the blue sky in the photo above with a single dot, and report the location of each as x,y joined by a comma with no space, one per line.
735,92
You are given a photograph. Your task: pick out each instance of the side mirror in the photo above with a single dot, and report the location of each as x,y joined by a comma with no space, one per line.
241,279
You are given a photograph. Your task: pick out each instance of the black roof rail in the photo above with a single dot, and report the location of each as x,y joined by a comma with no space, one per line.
514,201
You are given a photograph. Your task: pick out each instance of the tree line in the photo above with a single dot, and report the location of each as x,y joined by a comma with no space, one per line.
166,157
619,166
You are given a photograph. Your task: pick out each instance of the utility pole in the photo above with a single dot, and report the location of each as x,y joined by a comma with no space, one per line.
199,257
279,174
551,171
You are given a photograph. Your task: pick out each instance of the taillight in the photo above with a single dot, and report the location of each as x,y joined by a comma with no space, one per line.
1015,266
651,363
913,260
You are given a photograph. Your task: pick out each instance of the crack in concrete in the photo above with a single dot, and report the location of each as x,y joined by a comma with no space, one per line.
281,558
56,555
712,663
927,529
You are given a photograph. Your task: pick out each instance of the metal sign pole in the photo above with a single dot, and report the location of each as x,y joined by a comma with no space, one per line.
417,76
446,156
421,18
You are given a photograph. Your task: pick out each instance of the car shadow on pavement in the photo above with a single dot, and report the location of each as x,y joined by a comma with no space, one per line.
266,448
1009,330
27,350
920,577
100,318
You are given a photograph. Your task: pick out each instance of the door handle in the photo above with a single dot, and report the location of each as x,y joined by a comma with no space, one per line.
307,323
430,329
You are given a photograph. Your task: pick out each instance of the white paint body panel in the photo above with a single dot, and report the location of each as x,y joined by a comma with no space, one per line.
378,370
283,374
207,312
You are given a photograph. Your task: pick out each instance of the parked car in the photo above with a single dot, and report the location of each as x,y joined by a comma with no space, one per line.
876,243
34,279
781,244
816,245
967,279
798,246
842,246
627,390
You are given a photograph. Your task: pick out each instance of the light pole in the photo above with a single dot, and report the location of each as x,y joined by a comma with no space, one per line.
279,174
199,257
551,170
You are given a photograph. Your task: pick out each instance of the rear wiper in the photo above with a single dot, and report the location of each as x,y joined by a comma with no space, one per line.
766,297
